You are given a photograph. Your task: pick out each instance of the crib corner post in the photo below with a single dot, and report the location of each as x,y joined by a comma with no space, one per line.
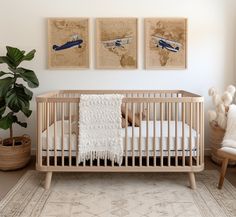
192,181
48,180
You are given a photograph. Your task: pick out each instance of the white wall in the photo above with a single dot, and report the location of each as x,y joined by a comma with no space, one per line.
211,44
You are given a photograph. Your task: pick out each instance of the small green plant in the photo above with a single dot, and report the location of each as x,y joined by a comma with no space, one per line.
14,95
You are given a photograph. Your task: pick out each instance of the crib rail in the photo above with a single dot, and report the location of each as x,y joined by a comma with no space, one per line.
168,134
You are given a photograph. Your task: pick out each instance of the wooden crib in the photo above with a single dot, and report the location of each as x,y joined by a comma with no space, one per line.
170,137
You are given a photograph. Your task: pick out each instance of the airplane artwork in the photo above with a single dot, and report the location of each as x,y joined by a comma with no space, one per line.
170,45
117,43
75,41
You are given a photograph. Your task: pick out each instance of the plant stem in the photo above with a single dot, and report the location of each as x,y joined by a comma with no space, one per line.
11,133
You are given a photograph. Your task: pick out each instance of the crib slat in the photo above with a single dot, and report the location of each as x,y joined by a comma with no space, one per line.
202,134
140,135
55,133
169,117
40,118
183,134
154,134
126,134
69,104
77,135
197,104
47,110
190,133
147,136
176,133
165,107
62,133
45,115
133,124
161,133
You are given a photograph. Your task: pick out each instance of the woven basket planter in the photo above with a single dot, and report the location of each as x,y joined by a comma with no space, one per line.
15,156
216,138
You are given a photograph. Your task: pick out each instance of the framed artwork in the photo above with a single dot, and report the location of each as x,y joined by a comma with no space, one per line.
116,43
68,43
165,43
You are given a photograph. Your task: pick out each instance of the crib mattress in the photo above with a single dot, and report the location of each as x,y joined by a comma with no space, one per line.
133,143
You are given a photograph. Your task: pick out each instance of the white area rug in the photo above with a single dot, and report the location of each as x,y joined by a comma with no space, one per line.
120,194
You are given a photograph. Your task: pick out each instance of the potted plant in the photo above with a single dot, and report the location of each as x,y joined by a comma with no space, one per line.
15,98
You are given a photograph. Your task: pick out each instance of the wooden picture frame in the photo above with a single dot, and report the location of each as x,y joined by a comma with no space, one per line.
68,43
165,43
116,43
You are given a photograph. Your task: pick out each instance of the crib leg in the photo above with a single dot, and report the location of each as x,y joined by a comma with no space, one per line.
48,180
192,180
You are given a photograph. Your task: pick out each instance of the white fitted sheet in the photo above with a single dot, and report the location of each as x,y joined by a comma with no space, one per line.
147,143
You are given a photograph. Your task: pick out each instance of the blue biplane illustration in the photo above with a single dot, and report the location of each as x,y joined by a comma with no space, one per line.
117,43
170,45
75,41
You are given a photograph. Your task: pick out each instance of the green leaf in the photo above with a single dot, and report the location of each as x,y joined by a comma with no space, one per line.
29,56
2,73
23,124
28,76
15,55
26,111
28,92
4,59
16,99
5,85
2,106
7,121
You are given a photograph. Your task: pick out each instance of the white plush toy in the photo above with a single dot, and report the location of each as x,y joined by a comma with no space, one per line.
221,103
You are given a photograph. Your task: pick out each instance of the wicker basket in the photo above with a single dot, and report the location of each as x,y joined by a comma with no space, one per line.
216,138
15,156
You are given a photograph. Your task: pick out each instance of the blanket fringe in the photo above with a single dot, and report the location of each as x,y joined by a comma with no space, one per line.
97,155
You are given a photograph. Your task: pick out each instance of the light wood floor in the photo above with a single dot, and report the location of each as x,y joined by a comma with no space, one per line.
9,179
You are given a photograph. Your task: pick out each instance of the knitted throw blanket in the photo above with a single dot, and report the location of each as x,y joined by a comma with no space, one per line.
100,127
230,134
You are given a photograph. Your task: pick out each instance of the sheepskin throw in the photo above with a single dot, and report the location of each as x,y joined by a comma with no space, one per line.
100,127
230,134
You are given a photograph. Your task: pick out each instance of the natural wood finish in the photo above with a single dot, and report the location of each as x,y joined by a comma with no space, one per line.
55,133
47,120
192,180
164,106
226,156
222,173
190,134
121,169
48,180
62,132
176,133
154,134
147,135
183,134
140,136
40,120
126,134
169,117
133,124
161,138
